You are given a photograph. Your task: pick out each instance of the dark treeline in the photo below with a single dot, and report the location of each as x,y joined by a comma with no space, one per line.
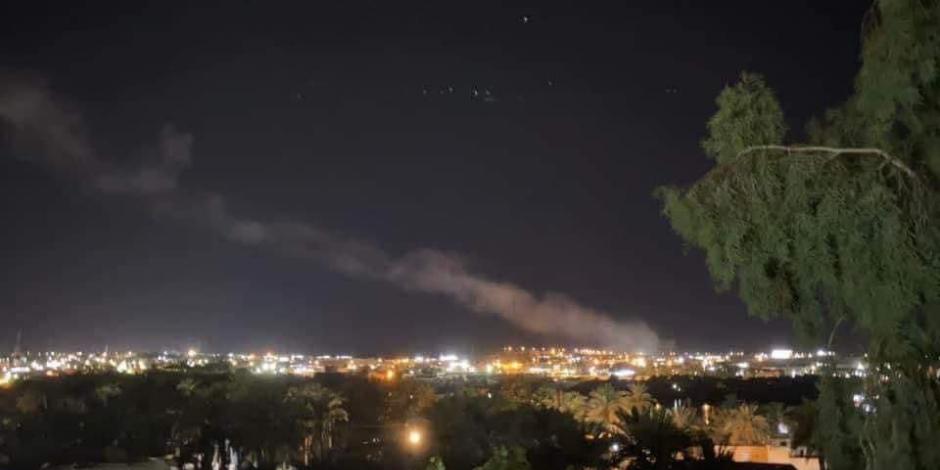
350,421
790,391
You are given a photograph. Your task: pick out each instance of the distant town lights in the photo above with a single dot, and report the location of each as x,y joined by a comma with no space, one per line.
623,373
781,354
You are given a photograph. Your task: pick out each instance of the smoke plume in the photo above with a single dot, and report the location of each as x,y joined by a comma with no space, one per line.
40,128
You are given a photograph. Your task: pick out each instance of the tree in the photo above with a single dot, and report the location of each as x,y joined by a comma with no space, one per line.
435,463
804,430
777,418
319,411
685,418
605,406
506,459
187,387
409,399
32,401
841,229
653,439
106,392
838,425
517,390
555,398
742,426
257,417
816,234
637,397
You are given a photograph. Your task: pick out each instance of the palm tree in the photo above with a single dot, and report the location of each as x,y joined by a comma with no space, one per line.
107,391
319,409
548,396
555,398
572,403
685,418
638,397
187,386
604,407
743,426
653,439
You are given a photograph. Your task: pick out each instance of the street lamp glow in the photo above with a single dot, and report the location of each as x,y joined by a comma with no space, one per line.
414,437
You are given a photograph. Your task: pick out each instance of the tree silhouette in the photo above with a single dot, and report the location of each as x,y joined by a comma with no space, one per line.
319,411
653,441
638,397
743,426
605,406
554,398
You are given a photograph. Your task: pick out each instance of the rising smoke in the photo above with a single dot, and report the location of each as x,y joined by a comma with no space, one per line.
39,127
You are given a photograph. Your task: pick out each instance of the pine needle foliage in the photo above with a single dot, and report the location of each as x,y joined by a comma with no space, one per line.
840,229
819,233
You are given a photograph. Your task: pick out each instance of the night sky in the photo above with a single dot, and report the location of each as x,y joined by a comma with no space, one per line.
524,141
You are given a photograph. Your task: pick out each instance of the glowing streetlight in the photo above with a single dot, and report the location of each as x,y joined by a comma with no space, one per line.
414,437
705,409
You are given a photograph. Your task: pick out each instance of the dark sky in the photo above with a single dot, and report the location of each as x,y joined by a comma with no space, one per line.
340,114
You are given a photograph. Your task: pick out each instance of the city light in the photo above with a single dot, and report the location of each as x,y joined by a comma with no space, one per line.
557,363
414,437
624,373
781,354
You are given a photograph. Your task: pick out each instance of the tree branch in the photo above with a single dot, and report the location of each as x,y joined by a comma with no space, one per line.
832,335
834,151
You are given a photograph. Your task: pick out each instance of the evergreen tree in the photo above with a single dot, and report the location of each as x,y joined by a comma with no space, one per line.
841,229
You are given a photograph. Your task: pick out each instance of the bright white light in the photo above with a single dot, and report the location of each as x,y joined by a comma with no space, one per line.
414,437
782,428
781,354
621,373
615,447
743,365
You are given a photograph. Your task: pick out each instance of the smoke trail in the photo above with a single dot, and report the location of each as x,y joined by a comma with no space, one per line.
46,130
